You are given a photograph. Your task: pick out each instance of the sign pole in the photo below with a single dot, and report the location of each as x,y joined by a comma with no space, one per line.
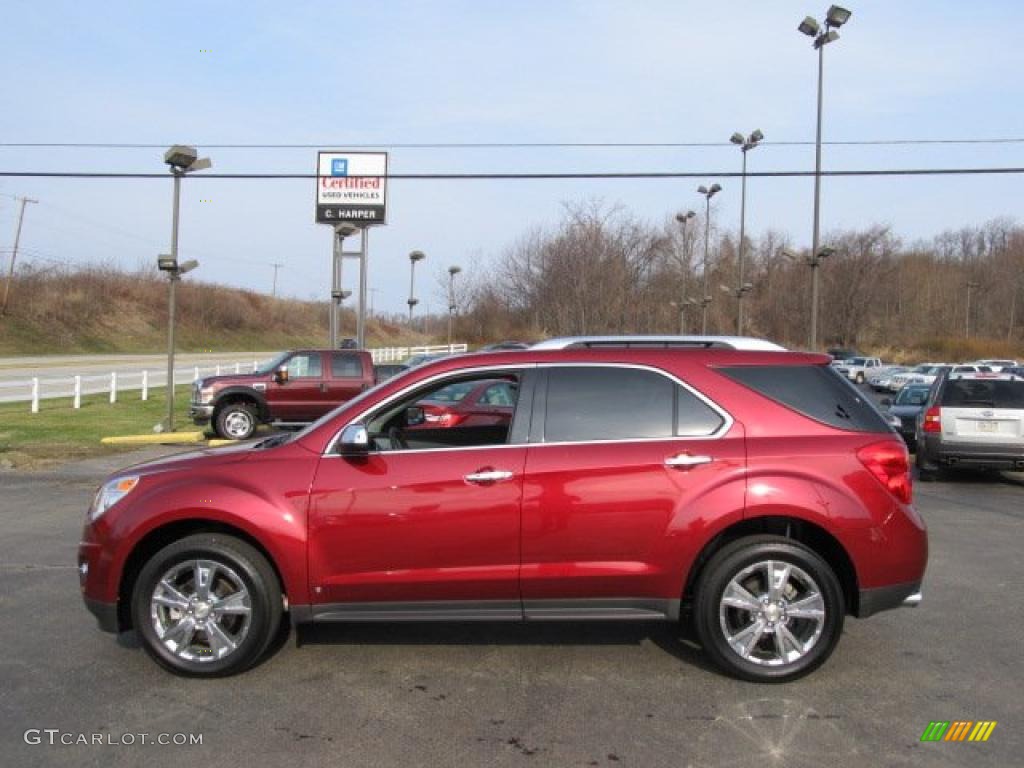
363,261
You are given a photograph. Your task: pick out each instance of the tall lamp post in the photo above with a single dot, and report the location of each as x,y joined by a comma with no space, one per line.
413,301
745,143
684,219
814,261
835,17
705,298
180,159
971,286
452,306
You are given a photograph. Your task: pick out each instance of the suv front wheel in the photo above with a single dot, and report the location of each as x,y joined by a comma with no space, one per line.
768,609
207,605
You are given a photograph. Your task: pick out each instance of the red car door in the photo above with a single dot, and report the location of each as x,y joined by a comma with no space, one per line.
426,532
628,465
347,379
300,397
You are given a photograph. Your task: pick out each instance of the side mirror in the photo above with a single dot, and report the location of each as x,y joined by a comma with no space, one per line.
886,402
281,375
414,416
354,441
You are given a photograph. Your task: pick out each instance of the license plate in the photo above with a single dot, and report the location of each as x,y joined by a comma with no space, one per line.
988,426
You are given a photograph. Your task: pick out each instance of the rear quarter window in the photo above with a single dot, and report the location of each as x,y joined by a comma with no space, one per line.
816,391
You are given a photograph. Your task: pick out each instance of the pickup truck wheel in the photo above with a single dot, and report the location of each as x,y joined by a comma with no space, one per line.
768,609
236,421
206,606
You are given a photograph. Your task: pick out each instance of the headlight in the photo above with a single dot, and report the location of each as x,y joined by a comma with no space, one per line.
111,493
206,394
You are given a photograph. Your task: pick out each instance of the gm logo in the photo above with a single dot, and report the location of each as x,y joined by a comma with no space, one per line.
339,166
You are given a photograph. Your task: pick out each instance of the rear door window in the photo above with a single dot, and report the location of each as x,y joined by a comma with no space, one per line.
346,366
596,403
816,391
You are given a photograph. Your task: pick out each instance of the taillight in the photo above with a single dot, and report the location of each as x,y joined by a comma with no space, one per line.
932,420
889,462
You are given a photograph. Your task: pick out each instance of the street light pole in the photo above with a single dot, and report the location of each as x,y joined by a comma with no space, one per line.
705,300
180,159
452,272
684,268
413,301
745,143
834,18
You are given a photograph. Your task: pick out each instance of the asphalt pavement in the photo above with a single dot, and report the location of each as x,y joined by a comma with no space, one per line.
509,695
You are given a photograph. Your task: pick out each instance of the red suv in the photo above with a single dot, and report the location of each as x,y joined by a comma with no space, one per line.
750,489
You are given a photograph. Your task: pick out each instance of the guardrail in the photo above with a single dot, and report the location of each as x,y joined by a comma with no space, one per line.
115,383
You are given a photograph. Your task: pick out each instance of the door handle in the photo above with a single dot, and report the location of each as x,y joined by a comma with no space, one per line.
685,460
488,476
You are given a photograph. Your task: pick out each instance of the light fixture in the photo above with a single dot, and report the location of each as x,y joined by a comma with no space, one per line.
188,266
809,26
737,138
837,16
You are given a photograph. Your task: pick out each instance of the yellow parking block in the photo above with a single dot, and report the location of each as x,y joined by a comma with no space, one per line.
214,442
159,438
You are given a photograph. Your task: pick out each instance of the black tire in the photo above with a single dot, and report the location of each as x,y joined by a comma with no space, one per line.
236,421
242,561
731,561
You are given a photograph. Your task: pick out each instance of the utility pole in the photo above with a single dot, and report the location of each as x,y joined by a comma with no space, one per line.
14,253
273,291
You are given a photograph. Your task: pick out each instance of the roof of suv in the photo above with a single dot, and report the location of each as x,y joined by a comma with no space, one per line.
706,342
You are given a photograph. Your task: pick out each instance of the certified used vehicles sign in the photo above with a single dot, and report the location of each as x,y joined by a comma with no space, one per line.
351,186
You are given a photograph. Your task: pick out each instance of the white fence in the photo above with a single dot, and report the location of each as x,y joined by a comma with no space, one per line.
117,383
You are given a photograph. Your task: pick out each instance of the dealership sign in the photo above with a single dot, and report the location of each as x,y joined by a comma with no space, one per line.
351,186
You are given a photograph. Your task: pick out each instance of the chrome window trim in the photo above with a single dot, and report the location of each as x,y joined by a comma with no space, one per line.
740,343
723,429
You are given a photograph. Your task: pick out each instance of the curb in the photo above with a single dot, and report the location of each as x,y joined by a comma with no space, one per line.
168,438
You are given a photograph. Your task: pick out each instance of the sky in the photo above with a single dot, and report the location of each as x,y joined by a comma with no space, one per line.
334,75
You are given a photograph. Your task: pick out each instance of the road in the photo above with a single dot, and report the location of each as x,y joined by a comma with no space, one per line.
504,695
57,373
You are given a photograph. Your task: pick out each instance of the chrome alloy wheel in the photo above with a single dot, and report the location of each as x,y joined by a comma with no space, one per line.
201,610
772,613
238,424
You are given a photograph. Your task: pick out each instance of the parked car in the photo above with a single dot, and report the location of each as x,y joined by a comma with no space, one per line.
464,404
745,487
970,368
998,365
881,379
384,371
928,375
906,408
974,421
857,368
294,388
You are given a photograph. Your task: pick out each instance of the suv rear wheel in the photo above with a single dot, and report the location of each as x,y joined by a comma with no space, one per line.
236,421
206,606
768,609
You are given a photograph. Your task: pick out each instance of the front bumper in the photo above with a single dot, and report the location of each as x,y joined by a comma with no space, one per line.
200,414
105,613
879,599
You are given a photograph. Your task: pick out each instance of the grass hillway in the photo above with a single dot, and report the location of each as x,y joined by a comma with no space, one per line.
106,310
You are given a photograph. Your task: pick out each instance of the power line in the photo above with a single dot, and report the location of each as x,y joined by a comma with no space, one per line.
520,144
533,176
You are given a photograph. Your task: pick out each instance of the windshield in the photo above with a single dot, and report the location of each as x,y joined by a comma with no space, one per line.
912,396
274,364
922,369
858,361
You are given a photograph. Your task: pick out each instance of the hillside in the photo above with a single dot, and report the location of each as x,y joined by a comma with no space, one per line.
102,309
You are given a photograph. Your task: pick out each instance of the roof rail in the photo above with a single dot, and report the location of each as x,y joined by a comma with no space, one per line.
663,342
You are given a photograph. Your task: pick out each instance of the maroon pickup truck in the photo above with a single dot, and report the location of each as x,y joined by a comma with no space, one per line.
294,388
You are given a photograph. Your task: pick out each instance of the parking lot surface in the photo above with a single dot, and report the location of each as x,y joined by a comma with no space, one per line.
509,695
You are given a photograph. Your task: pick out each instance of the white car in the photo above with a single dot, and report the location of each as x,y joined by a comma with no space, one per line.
881,379
857,368
997,366
928,376
900,380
